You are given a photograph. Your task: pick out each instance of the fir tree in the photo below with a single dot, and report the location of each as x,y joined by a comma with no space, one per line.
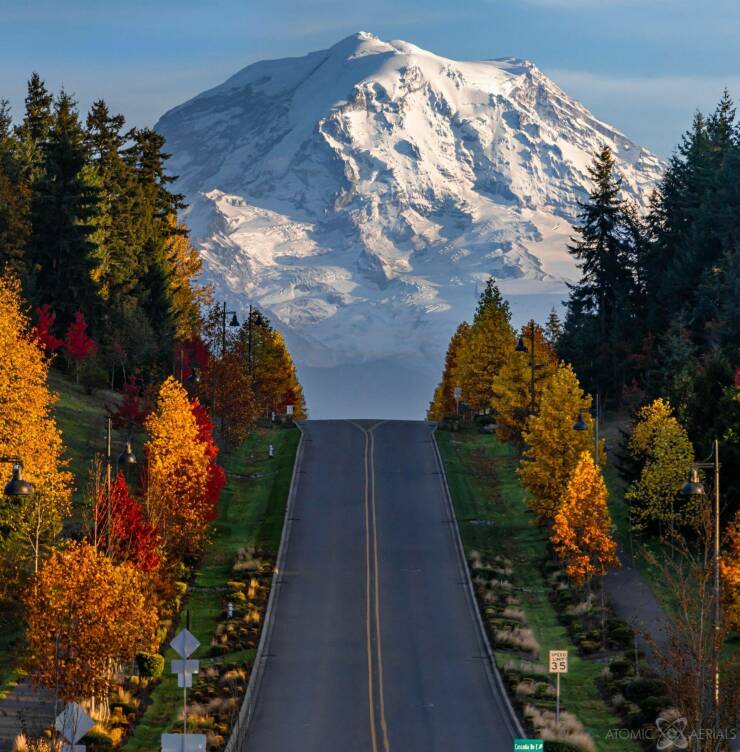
34,130
64,205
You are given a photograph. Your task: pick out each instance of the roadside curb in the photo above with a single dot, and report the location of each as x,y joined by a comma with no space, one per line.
241,727
494,676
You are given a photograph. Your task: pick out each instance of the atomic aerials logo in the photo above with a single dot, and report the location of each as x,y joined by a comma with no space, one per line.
672,734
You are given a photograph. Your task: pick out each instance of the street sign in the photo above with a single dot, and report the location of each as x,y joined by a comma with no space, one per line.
185,670
528,745
183,743
73,723
558,661
289,409
185,643
457,393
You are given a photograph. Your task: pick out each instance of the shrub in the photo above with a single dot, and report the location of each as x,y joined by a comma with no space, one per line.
97,740
654,705
589,646
640,688
150,664
620,667
621,636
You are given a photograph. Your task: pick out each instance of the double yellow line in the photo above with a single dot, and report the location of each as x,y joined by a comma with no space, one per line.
372,598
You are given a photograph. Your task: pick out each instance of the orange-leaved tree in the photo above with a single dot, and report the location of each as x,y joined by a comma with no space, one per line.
443,402
512,385
552,445
582,528
730,570
176,473
487,346
86,616
29,432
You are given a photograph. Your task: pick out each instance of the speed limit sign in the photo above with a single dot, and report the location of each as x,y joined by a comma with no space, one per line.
558,661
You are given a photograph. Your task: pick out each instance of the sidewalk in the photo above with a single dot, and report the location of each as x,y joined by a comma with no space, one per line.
26,708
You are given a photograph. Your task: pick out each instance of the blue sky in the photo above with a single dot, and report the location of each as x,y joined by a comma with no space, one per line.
641,65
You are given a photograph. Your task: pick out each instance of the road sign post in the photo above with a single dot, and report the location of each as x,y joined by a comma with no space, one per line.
558,665
529,745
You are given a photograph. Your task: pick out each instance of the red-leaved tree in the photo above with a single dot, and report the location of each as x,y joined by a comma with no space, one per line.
78,346
216,473
132,411
132,537
45,318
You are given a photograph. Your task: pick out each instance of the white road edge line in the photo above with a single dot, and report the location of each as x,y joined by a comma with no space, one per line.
494,677
240,729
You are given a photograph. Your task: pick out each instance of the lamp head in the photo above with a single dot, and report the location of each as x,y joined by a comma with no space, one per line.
16,486
580,424
127,458
234,321
693,486
520,346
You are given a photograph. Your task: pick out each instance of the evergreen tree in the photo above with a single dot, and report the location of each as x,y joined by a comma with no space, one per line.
596,311
64,205
15,199
34,130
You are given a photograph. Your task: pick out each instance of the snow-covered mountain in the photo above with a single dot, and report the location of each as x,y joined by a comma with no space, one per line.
362,195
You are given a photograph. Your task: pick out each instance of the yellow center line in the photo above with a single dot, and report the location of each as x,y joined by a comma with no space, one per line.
381,686
372,592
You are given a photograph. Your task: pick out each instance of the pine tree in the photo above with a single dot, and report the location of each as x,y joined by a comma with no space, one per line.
487,346
606,283
15,200
553,329
33,132
64,205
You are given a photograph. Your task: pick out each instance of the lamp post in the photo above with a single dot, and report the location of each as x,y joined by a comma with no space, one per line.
234,322
522,348
16,486
694,487
581,425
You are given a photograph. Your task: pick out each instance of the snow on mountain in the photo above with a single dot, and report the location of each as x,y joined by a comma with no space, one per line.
362,195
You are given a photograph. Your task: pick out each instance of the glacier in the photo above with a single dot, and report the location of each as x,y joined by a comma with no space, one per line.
361,196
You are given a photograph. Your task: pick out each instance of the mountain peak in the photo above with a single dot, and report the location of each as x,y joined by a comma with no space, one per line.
362,194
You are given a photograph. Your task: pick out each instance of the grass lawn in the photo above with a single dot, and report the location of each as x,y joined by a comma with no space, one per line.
251,512
484,486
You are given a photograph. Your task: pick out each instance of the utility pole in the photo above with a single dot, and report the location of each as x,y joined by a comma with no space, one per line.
249,340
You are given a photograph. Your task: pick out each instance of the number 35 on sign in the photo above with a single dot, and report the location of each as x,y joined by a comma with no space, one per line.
558,661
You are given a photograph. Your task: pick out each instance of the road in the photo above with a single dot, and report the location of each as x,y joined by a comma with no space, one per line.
375,645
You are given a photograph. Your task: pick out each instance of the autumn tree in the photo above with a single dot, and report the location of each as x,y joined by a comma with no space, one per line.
29,432
659,446
553,447
177,472
730,571
512,385
45,319
216,474
121,530
78,345
487,346
86,616
582,528
444,402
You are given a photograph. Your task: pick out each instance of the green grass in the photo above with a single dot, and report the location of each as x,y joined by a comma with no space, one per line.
483,483
251,512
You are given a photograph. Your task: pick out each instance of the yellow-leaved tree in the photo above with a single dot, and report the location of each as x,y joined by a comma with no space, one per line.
552,445
512,385
177,472
488,344
85,617
443,402
730,570
27,431
582,527
660,447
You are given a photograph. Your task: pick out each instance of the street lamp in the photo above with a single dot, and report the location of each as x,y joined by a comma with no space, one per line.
16,486
581,425
126,459
694,487
234,322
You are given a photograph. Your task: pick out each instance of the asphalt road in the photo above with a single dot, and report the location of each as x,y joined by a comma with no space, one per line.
375,645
